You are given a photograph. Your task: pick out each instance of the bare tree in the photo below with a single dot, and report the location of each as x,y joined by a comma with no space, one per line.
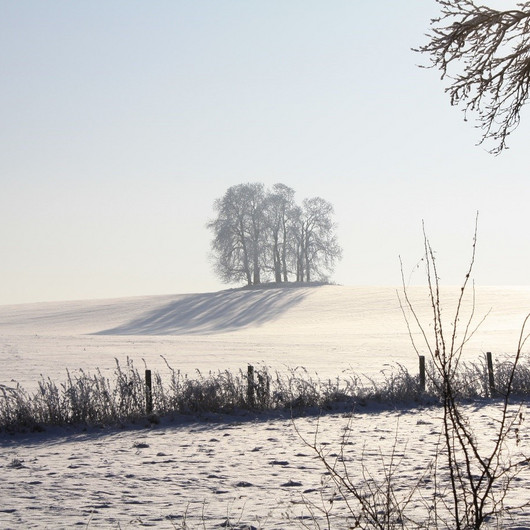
485,53
317,247
280,214
239,234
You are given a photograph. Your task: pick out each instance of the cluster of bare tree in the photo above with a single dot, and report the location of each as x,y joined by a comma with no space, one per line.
261,235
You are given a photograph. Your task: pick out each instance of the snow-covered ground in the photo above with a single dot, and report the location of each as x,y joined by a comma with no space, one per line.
327,329
255,470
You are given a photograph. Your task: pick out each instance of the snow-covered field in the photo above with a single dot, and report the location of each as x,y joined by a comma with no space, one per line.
327,329
255,470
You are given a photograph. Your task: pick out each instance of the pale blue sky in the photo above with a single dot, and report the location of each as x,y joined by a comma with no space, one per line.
122,121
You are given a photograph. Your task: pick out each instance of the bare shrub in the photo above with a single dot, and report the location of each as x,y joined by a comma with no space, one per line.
473,478
374,495
478,478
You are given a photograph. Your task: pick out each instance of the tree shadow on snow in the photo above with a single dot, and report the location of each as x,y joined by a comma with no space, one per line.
212,312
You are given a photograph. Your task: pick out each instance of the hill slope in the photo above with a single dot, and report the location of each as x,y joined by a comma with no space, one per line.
327,329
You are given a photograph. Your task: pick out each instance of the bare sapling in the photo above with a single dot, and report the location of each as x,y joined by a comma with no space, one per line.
472,474
479,475
373,493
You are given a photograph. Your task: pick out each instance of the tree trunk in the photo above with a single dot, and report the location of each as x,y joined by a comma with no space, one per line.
257,279
246,264
284,254
306,257
277,267
276,260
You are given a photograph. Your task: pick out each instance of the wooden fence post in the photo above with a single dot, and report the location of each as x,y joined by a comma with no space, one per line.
491,378
250,386
263,389
422,373
148,393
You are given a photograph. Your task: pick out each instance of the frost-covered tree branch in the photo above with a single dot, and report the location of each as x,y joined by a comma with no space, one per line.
485,53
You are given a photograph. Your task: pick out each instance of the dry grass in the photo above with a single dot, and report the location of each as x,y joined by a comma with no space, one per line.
93,399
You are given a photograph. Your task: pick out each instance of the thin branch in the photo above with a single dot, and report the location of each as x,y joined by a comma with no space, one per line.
485,55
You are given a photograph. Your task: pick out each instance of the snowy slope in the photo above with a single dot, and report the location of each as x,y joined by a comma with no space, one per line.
327,329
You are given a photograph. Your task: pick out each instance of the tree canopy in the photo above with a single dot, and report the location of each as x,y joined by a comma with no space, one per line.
262,235
485,53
